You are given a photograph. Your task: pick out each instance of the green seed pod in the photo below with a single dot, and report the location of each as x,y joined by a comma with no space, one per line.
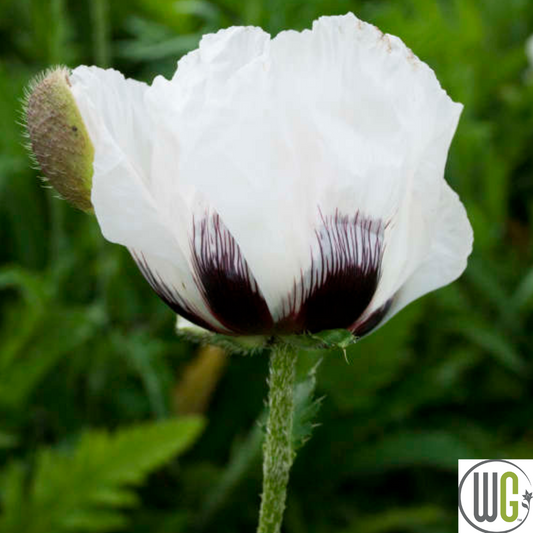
58,137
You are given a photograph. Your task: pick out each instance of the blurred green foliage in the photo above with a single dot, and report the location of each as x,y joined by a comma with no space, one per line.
90,365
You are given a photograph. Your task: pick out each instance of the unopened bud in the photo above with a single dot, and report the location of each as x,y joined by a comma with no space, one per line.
59,138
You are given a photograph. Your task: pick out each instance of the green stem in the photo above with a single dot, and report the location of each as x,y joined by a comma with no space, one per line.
278,454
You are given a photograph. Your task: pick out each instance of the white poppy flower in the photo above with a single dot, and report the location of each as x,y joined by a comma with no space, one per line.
281,185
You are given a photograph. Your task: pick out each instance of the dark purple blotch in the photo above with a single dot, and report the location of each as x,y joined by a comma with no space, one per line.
334,293
344,274
225,281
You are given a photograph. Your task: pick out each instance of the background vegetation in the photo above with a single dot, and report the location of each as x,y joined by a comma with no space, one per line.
109,423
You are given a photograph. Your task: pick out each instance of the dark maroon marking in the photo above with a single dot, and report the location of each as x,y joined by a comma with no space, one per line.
372,321
342,279
169,295
225,280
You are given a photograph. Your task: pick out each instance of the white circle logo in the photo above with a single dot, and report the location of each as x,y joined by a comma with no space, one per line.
495,496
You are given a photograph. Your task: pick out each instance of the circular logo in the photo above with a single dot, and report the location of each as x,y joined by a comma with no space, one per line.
495,496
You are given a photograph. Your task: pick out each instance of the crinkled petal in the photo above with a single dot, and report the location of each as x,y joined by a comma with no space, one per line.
271,134
113,111
124,190
412,229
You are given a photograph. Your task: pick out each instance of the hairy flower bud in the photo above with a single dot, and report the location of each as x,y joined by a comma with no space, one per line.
59,138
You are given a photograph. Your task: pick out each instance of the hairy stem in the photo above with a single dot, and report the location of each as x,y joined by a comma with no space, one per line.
278,454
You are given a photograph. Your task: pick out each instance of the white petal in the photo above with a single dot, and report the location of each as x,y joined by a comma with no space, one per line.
411,231
113,111
124,190
271,133
230,155
446,259
115,104
186,326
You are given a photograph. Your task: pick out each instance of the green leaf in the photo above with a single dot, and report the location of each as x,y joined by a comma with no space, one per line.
524,292
406,449
404,519
245,456
306,407
34,294
143,353
58,334
86,488
494,343
12,487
